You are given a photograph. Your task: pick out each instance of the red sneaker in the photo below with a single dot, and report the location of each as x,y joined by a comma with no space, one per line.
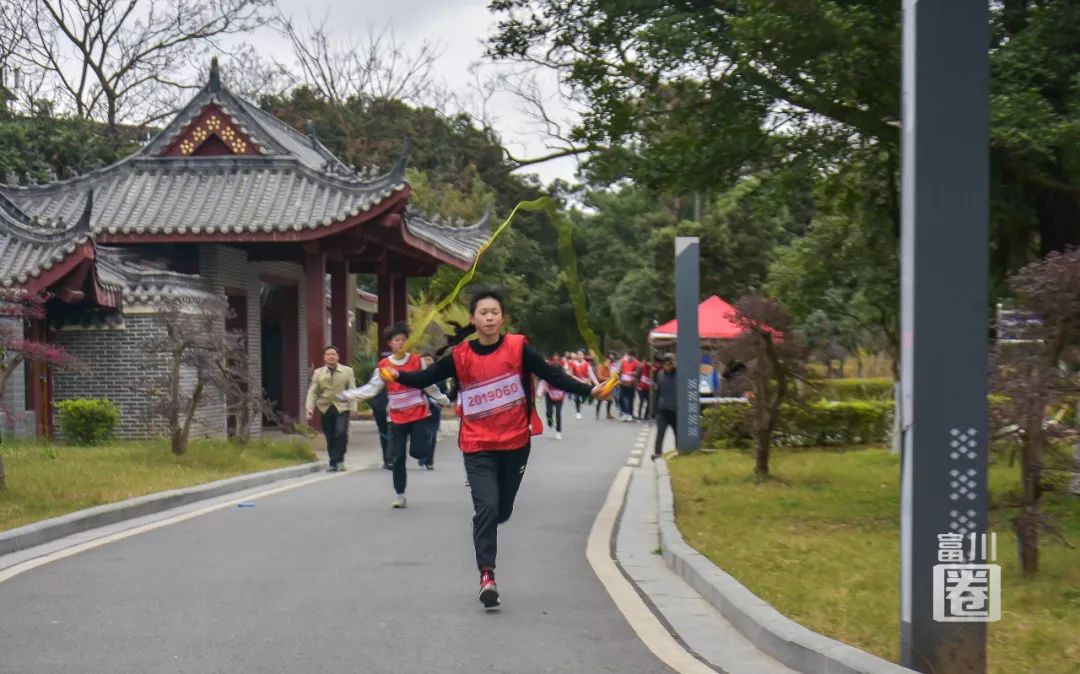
489,591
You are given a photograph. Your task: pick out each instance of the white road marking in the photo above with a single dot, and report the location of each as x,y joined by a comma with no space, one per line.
12,571
642,620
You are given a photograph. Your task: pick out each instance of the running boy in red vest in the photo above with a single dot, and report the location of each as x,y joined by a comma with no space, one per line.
407,407
494,375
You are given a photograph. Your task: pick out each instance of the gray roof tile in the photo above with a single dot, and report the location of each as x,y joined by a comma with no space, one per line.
29,247
226,194
458,239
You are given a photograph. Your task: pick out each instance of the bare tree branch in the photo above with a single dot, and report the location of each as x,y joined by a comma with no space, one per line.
375,67
119,61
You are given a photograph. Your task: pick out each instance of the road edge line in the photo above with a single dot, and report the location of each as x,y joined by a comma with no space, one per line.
633,608
55,556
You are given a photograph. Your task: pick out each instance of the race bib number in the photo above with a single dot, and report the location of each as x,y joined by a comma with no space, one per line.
556,395
627,378
406,399
647,381
493,395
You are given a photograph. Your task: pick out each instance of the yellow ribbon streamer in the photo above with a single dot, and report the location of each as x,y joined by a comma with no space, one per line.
567,259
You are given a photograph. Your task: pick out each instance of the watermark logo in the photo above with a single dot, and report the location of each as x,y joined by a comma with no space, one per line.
967,586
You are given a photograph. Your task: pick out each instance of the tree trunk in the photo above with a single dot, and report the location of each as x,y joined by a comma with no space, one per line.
179,444
1074,485
242,433
1027,533
1026,524
3,475
180,438
761,453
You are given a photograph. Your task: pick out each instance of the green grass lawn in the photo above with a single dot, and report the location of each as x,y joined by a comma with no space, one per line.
50,480
820,542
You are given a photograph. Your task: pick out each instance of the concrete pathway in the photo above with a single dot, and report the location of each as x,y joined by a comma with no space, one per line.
325,577
698,625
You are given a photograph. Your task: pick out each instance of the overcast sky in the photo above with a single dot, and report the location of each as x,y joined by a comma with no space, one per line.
457,28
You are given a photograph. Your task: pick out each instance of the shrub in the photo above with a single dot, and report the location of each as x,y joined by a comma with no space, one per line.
87,421
727,425
818,424
850,389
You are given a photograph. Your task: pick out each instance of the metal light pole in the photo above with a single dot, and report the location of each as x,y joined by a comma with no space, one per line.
688,348
945,243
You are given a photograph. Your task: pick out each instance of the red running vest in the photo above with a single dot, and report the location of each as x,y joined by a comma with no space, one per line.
406,404
493,401
645,382
579,369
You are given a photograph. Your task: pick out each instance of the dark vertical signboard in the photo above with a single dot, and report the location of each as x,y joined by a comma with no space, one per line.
946,597
688,348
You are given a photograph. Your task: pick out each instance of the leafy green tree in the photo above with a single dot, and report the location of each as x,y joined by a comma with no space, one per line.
846,266
41,146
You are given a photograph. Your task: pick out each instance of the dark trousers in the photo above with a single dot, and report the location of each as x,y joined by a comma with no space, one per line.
433,435
600,404
643,404
664,419
494,478
335,428
577,402
415,434
554,413
384,432
626,400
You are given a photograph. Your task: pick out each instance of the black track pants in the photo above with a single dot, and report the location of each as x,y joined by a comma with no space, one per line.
494,478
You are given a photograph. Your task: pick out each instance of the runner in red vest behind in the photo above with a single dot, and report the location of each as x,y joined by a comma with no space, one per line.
645,383
583,372
553,399
407,408
628,380
495,397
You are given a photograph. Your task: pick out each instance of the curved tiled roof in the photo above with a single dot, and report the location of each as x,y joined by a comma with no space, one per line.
270,135
461,240
209,195
144,282
29,247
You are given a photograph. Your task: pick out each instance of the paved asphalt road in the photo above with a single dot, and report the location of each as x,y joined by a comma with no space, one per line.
327,578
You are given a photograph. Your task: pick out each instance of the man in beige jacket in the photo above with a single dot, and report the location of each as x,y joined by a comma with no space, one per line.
327,384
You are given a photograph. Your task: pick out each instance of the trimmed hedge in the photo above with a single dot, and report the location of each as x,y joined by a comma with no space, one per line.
819,424
850,389
87,421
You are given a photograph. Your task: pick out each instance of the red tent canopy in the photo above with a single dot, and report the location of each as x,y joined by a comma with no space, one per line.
716,320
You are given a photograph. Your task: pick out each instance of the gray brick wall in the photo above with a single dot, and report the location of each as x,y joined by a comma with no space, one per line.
229,267
14,419
114,362
112,358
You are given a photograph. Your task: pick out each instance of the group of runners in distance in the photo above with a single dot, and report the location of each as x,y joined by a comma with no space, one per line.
497,381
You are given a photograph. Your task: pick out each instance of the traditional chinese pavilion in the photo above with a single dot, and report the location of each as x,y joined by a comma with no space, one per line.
226,200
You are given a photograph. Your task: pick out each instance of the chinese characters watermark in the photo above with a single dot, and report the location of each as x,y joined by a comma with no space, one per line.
967,586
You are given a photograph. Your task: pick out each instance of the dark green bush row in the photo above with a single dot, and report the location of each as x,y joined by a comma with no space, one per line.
819,424
87,421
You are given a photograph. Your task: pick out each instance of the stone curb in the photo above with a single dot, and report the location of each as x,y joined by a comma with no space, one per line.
772,632
79,521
